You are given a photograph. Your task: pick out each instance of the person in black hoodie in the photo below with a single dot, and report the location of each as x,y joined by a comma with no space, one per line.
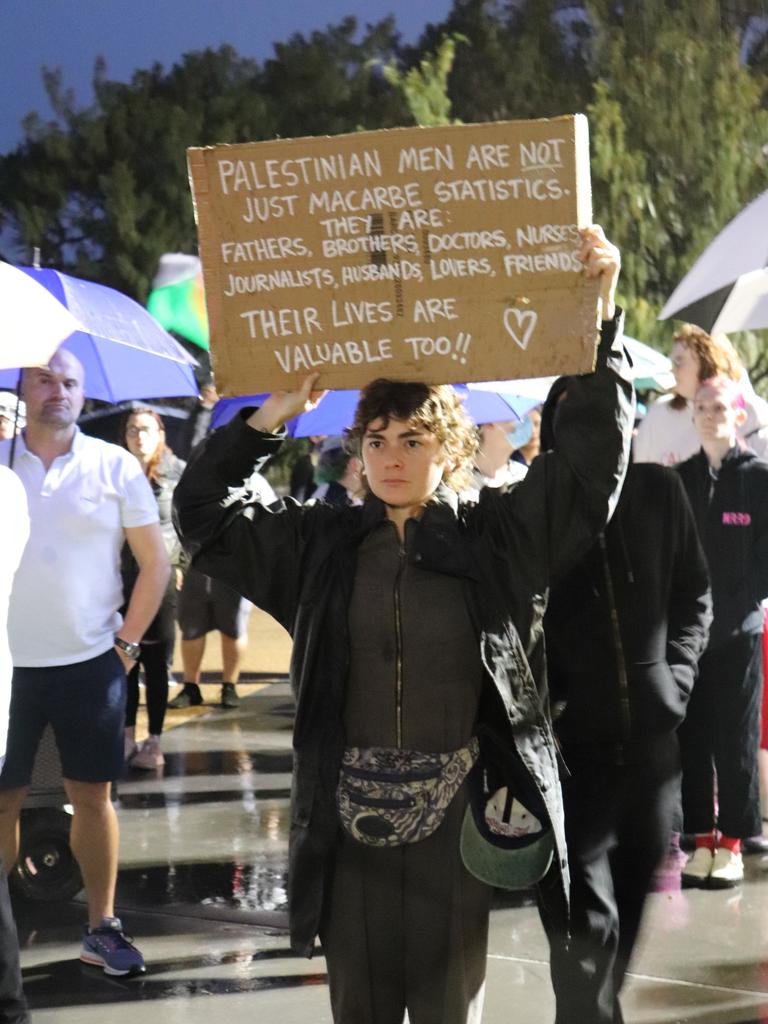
624,631
727,486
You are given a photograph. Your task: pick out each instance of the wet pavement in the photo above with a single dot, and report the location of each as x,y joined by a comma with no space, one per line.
202,887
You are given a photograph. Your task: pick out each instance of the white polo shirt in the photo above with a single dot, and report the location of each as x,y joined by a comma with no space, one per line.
67,591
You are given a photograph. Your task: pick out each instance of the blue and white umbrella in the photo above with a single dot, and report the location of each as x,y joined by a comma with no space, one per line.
124,351
32,322
336,410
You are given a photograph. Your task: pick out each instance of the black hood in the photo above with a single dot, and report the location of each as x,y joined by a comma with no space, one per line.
549,413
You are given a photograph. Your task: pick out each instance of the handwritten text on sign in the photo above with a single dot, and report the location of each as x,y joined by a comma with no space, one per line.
440,254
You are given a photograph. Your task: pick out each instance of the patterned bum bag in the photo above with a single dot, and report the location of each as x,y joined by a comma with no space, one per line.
388,796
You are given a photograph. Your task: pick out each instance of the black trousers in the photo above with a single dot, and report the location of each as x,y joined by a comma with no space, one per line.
13,1005
719,741
617,824
154,657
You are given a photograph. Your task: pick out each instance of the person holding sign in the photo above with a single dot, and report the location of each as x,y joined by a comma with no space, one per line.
416,622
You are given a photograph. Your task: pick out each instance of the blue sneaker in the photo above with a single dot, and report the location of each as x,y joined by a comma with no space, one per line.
109,947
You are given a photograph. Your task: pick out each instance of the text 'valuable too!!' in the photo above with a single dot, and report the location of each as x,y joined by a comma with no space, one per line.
438,254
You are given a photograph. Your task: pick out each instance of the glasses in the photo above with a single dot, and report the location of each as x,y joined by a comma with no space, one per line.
137,431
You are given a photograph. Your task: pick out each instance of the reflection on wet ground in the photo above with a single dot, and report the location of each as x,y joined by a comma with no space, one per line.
202,886
253,887
209,833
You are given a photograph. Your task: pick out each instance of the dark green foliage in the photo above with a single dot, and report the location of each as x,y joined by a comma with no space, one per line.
424,86
103,192
519,63
678,131
323,85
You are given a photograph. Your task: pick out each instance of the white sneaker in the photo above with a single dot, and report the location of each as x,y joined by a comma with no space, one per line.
697,869
130,749
727,869
150,756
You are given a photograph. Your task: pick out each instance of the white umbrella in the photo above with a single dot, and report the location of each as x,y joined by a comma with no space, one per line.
32,322
651,369
727,287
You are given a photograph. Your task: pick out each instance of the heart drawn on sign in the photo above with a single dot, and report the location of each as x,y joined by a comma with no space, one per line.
523,327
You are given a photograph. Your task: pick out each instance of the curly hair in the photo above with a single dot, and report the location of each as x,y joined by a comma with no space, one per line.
715,355
436,408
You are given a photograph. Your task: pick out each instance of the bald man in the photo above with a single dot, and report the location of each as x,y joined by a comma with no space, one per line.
69,644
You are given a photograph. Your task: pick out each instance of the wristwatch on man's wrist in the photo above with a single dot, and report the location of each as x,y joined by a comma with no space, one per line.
132,651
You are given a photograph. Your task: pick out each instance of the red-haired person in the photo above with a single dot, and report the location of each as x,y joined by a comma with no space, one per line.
667,433
143,434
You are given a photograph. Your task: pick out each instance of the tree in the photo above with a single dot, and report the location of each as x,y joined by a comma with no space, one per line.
425,86
103,191
520,62
678,125
322,85
678,131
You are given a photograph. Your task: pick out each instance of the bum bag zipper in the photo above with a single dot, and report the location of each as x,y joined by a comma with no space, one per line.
377,801
384,776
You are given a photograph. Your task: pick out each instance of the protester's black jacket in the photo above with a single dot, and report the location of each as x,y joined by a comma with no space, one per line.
298,563
731,511
660,590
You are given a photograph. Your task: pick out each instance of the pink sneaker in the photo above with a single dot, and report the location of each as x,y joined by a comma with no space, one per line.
150,755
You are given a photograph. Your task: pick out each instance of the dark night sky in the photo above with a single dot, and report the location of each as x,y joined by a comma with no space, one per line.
133,34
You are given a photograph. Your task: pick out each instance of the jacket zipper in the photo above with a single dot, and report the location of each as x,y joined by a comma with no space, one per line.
621,665
399,653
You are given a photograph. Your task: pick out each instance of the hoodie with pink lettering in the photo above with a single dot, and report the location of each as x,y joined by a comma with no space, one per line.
731,511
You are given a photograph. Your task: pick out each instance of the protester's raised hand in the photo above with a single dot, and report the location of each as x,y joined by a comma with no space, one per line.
282,406
601,259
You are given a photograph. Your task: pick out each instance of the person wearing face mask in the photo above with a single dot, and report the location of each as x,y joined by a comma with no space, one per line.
527,438
494,467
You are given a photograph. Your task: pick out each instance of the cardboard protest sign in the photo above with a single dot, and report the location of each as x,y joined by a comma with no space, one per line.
438,254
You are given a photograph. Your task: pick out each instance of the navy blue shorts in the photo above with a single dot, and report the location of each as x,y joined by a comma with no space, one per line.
85,705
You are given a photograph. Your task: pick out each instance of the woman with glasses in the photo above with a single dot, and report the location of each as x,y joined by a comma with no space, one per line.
143,434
